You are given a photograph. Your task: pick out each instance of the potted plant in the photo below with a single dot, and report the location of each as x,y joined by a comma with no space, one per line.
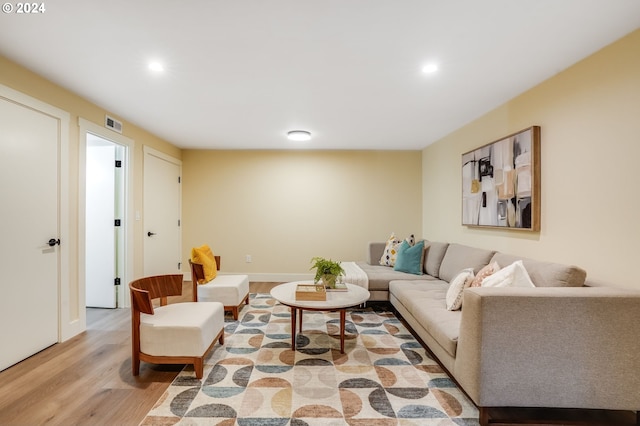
326,270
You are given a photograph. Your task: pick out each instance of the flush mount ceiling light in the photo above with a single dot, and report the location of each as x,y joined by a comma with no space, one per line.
299,135
430,68
156,67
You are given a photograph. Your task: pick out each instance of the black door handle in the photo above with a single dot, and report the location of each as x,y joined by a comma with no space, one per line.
150,233
52,242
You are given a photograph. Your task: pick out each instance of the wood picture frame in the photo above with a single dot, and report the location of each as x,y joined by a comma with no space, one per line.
501,183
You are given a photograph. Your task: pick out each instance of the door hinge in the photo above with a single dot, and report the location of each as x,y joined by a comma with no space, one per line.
116,281
179,179
178,222
118,164
179,265
117,222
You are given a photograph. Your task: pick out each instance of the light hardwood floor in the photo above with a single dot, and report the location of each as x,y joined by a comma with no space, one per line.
87,380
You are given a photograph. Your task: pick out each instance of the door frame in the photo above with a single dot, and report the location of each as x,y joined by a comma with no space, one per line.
68,324
104,133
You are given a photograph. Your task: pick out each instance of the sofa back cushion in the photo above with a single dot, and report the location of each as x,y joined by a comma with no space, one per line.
459,257
375,252
434,253
546,274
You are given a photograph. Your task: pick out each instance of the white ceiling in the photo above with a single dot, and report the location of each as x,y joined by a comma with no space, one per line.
240,74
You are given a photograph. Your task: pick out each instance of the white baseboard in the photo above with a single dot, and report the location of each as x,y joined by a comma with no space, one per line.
263,277
280,277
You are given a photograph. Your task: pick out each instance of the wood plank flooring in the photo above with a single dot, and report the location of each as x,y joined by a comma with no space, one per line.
87,380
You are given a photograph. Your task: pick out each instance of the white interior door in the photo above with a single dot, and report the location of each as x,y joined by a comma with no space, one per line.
29,184
103,194
162,195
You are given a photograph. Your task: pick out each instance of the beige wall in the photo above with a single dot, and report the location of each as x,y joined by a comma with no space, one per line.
590,120
23,80
284,207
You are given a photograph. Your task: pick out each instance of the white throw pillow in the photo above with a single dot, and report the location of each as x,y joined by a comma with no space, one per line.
456,287
514,275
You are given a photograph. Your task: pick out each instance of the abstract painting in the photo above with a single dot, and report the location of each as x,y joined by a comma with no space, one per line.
501,183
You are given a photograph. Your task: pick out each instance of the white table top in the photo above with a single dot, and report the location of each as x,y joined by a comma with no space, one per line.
286,294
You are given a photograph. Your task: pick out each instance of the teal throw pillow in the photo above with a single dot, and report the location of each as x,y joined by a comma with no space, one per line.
410,258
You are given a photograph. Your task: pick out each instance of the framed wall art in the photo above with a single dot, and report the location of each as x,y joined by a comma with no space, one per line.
501,183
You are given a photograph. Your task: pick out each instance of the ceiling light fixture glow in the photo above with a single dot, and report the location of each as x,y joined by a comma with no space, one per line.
156,67
430,68
299,135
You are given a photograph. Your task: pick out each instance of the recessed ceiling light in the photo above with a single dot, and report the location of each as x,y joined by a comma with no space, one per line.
299,135
430,68
156,67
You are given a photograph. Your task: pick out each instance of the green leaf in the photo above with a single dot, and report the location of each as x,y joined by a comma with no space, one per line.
325,266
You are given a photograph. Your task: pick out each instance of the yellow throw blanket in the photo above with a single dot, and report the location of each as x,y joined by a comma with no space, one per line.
204,256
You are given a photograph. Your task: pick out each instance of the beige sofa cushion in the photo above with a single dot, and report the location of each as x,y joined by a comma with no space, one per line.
546,274
230,290
379,276
459,257
435,252
181,329
425,300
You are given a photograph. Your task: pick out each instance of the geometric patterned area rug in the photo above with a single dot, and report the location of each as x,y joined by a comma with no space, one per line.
385,377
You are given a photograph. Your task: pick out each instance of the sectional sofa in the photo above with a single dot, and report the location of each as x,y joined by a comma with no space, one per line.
559,344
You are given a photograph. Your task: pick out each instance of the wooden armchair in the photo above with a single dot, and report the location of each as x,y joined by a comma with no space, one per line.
177,333
230,290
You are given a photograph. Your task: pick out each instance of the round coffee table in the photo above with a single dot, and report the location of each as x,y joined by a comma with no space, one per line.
336,301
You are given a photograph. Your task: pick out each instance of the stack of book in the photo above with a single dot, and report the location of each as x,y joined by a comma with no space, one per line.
338,287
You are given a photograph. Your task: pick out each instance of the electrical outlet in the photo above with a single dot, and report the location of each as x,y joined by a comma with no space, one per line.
247,258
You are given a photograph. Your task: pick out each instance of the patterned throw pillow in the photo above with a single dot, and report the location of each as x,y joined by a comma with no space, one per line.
411,239
456,288
483,273
391,249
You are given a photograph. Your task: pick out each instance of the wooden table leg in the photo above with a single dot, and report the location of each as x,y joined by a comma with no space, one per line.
300,321
343,314
293,328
